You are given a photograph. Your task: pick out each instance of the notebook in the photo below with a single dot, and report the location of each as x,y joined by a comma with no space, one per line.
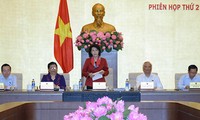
99,85
147,85
47,86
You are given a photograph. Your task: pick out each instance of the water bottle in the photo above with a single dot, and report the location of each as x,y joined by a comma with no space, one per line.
33,85
80,85
127,85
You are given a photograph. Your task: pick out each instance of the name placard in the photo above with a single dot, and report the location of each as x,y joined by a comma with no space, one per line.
147,85
194,84
1,86
47,86
99,85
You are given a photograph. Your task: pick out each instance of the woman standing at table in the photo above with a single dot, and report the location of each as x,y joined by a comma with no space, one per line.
94,65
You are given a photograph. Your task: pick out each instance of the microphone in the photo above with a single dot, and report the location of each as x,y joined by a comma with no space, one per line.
95,64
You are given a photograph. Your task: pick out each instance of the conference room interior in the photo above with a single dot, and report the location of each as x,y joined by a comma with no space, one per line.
169,39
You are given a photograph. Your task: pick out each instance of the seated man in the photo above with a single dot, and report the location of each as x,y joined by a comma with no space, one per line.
53,76
147,76
6,78
184,82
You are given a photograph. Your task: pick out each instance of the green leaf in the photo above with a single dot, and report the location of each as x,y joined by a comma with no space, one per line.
103,104
111,111
126,113
115,33
93,31
87,49
108,50
103,118
79,48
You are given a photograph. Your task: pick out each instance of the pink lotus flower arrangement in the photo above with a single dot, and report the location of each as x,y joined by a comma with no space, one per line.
107,41
106,109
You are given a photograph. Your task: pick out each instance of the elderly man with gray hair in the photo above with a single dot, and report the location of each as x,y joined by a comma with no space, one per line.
147,76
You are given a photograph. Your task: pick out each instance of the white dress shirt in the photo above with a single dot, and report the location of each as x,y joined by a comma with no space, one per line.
10,81
185,81
152,78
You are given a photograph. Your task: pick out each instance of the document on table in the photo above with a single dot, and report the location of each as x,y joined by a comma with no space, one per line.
97,76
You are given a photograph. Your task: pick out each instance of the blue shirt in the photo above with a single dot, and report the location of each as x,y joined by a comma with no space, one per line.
185,81
9,82
59,80
152,78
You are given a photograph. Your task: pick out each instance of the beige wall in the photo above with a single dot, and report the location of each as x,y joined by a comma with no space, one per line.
169,39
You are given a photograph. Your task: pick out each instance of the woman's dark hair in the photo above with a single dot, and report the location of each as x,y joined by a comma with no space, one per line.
51,63
90,49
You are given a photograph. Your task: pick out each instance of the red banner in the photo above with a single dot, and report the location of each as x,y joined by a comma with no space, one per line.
63,46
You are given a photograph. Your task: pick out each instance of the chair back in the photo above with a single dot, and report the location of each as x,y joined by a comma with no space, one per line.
177,78
132,78
19,79
109,79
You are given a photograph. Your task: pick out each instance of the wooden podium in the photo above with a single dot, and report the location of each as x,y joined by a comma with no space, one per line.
112,61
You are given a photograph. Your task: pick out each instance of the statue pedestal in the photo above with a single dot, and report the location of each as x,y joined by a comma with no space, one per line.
111,58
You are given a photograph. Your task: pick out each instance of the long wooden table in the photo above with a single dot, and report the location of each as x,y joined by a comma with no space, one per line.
57,110
170,95
81,96
166,95
16,96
